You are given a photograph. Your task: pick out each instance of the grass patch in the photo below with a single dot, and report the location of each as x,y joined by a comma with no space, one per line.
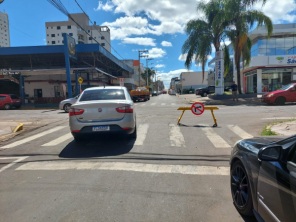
267,131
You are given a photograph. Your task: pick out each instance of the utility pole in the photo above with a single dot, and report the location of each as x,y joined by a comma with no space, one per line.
140,56
147,70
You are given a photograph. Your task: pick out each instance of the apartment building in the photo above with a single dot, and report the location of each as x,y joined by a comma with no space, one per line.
78,27
4,30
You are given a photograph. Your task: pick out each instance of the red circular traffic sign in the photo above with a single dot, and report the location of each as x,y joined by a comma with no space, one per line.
197,108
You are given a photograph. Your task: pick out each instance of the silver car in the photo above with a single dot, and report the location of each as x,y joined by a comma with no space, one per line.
67,103
98,110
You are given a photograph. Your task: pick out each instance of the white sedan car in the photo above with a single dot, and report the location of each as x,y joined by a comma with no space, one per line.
67,103
98,110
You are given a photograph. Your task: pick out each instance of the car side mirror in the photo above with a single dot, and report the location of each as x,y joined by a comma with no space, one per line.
270,153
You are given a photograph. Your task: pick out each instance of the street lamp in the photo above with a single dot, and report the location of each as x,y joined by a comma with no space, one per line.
141,56
147,69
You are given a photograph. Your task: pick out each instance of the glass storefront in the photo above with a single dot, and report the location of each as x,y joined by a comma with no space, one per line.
272,79
285,45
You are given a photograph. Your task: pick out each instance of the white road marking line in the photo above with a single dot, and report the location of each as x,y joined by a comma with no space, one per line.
141,134
216,140
163,104
59,140
17,143
153,104
122,166
240,132
18,159
276,118
173,104
176,137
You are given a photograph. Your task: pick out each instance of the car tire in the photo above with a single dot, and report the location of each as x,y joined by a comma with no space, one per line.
7,106
134,134
204,94
280,101
67,107
240,189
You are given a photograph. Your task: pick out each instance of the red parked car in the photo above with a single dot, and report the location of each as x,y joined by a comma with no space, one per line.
279,97
7,101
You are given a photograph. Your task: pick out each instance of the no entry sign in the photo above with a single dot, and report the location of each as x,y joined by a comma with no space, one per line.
197,108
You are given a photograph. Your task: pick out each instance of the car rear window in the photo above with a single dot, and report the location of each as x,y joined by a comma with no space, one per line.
2,97
103,94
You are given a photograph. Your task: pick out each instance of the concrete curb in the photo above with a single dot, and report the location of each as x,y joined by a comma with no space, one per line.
18,128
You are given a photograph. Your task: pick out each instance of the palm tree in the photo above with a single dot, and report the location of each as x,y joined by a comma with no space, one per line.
202,33
242,19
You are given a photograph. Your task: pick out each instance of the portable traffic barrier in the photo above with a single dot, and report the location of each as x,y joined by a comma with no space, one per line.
198,108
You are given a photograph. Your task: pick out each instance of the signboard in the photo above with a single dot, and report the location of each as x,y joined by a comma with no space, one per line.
282,60
197,108
219,72
80,80
121,81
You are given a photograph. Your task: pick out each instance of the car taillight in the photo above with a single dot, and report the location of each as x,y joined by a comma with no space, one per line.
125,109
75,112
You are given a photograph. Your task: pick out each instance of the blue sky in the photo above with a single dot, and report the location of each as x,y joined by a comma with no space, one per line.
153,25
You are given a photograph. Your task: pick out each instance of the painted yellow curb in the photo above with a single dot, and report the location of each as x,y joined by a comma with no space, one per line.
19,127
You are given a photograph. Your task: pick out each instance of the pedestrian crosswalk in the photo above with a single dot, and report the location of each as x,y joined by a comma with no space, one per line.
156,104
171,134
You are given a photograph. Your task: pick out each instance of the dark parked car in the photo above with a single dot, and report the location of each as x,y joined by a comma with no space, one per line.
205,91
263,178
7,101
279,97
154,93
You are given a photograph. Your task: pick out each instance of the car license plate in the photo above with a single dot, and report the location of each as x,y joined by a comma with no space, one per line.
100,128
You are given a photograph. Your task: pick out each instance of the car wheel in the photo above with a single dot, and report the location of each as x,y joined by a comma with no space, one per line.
7,106
280,101
134,134
240,189
67,107
204,94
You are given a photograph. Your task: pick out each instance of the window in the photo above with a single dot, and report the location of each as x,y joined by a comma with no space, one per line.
53,42
70,34
52,35
90,38
103,44
58,27
69,27
102,37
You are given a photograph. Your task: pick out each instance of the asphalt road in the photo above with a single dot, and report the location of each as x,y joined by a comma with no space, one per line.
170,173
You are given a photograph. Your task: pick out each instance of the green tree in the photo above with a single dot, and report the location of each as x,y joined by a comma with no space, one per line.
151,73
202,33
241,19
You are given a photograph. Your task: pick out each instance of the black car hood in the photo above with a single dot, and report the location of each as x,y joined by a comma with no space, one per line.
254,144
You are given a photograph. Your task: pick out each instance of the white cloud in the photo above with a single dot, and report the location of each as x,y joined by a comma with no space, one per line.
166,44
139,41
279,12
105,7
156,53
158,66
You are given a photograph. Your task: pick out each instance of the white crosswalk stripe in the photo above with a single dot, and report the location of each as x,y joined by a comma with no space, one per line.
122,166
240,132
176,137
20,142
59,140
142,130
216,140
